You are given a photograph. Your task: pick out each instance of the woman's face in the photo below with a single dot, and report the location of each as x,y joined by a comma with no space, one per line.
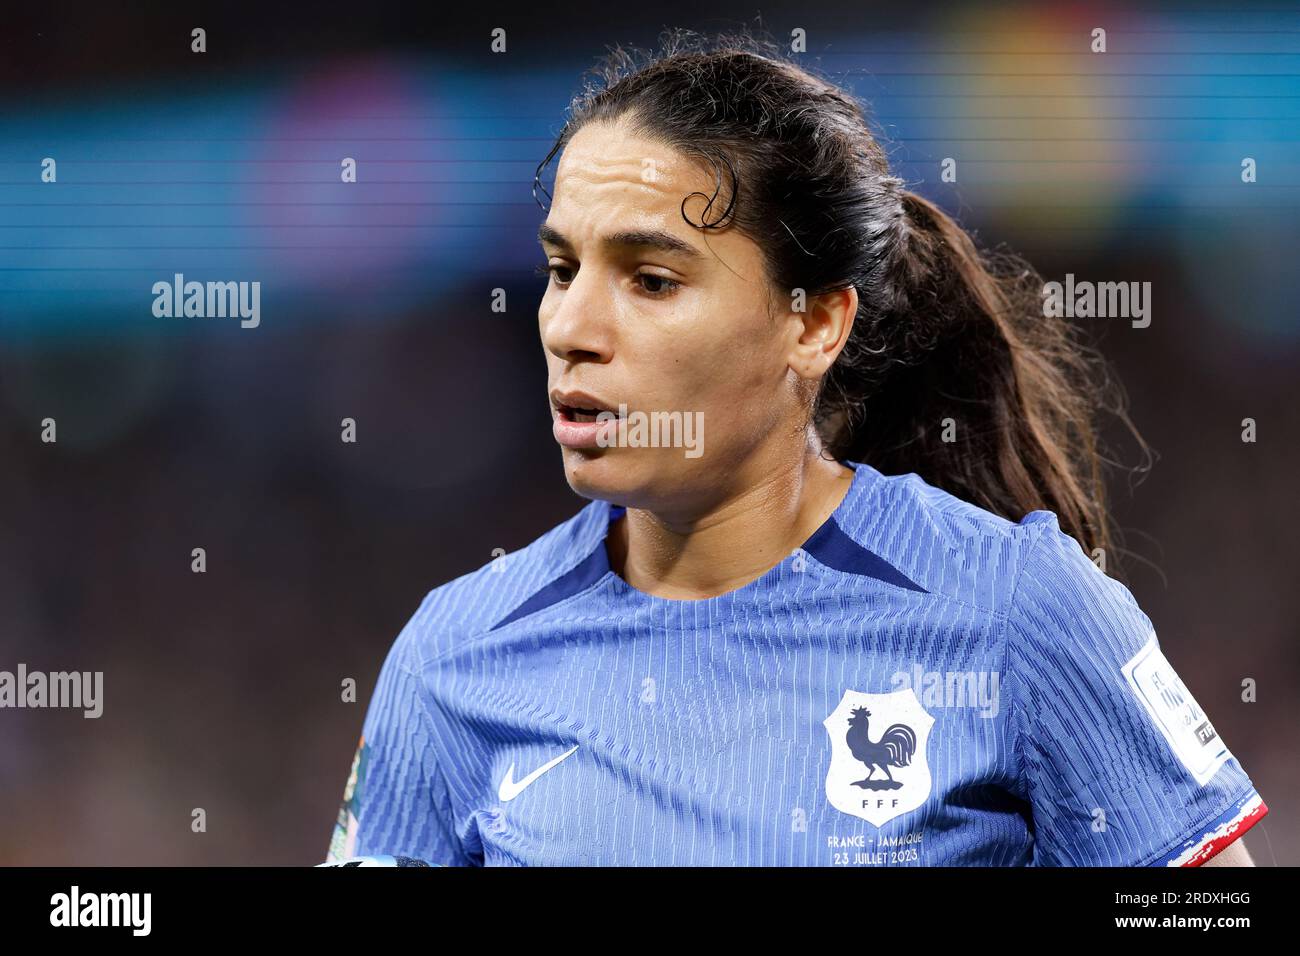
646,310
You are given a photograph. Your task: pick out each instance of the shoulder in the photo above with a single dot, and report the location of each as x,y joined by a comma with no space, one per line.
473,603
956,549
1065,606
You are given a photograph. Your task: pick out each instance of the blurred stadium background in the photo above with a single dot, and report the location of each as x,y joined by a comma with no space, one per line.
222,689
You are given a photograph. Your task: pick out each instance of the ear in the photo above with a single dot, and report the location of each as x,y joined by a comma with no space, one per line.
820,332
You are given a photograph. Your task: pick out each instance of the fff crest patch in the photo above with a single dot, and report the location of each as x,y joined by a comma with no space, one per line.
878,766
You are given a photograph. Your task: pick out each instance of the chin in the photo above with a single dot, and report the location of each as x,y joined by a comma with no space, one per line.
607,475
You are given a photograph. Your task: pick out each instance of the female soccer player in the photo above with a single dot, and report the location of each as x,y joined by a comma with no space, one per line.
854,620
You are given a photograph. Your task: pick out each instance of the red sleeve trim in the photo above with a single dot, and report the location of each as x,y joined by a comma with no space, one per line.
1227,830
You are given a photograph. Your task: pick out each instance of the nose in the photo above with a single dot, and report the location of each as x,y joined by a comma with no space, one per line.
577,323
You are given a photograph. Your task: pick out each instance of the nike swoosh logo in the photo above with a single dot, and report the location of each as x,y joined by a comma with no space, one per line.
509,789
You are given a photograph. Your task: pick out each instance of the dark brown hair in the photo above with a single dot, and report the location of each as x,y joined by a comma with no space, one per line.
943,330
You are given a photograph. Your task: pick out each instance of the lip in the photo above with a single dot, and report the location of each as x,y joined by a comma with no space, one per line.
573,434
577,398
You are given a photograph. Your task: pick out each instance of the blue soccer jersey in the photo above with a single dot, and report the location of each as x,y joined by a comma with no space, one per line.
922,683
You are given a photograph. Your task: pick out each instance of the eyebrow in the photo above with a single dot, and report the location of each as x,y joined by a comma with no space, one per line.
631,238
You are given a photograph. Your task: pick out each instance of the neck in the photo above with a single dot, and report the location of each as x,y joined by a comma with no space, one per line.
730,542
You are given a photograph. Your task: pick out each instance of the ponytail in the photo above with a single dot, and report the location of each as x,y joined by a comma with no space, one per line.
963,380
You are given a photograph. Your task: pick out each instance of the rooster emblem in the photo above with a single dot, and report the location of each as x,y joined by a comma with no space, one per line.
897,774
894,749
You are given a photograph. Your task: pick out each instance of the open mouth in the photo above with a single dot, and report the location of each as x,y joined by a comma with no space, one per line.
573,413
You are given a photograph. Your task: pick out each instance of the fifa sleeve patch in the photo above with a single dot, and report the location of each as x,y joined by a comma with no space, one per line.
1172,708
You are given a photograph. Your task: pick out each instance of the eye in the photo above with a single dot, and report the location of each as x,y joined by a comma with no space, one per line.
655,286
546,269
666,286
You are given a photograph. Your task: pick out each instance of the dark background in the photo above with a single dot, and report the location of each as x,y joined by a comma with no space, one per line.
222,689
